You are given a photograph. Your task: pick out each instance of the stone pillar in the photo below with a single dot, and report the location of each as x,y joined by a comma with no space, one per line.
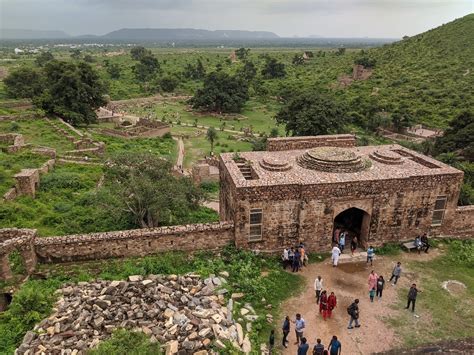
29,258
5,271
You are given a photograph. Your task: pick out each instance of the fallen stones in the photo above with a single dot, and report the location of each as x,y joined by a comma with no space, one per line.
184,313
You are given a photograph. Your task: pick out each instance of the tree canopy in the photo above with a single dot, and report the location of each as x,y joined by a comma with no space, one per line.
144,189
221,93
311,114
458,137
24,82
273,69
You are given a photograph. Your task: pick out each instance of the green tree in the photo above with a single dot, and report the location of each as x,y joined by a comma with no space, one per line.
195,72
211,136
71,91
168,83
147,68
248,71
458,137
127,342
24,82
298,60
113,69
341,51
242,53
144,188
138,52
366,61
43,58
312,114
76,54
273,69
221,93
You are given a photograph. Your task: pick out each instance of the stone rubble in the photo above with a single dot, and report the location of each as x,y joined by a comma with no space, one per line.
183,313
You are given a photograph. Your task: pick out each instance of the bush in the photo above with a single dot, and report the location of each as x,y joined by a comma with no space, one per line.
127,342
389,249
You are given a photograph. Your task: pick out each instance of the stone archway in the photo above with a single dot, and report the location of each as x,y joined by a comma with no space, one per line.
356,222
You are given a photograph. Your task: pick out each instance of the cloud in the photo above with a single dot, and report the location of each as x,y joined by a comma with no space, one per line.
137,4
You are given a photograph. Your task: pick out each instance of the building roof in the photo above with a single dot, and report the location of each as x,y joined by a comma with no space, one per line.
331,165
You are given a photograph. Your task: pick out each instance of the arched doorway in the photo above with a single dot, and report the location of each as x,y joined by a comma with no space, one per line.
355,222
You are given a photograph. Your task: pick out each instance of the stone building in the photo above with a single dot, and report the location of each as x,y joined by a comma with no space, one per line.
302,189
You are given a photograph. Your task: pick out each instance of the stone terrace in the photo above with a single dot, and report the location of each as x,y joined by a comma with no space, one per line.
390,162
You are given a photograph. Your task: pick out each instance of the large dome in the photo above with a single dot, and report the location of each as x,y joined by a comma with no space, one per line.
332,159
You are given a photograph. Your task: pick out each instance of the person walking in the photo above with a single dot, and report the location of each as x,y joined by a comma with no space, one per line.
271,341
353,311
353,244
425,243
372,294
373,277
370,255
342,241
299,328
318,349
286,330
291,256
412,293
332,303
336,252
335,346
303,347
296,261
380,286
396,272
318,287
323,304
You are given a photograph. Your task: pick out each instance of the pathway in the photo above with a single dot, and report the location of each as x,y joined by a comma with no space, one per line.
349,281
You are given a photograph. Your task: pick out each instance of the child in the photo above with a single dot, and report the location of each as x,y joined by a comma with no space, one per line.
370,255
372,294
271,341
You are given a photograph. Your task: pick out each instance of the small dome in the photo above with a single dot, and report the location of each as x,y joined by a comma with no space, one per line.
386,156
332,159
274,164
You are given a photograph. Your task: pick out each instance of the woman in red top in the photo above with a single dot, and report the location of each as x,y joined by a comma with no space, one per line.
323,304
332,303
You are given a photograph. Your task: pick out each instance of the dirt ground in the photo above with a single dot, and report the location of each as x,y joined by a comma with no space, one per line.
349,281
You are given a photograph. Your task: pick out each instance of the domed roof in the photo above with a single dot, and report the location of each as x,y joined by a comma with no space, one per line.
332,159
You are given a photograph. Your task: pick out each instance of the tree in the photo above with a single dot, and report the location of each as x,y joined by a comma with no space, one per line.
401,118
195,72
145,189
138,52
273,69
89,59
341,51
312,114
248,71
146,68
168,83
24,83
242,53
458,137
76,54
211,136
366,62
72,91
221,93
113,69
298,60
43,58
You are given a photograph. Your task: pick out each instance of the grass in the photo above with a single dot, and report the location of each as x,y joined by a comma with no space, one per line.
35,298
442,315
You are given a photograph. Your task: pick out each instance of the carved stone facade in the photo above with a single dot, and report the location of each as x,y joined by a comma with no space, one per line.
302,195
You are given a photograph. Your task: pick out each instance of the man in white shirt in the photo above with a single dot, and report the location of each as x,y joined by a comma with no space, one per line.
336,252
285,258
318,287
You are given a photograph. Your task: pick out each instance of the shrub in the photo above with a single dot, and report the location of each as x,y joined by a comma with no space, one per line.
127,342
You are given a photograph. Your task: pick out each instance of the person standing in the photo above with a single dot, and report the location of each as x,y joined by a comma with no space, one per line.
286,331
372,294
296,261
425,243
299,328
318,349
342,241
285,258
335,347
412,293
332,303
291,256
353,311
373,277
318,287
353,244
302,256
336,252
271,341
323,304
396,272
418,244
380,286
370,255
303,347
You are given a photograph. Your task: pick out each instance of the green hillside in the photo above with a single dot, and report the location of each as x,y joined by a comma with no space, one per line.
432,74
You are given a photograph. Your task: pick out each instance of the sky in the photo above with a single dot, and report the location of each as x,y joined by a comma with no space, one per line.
287,18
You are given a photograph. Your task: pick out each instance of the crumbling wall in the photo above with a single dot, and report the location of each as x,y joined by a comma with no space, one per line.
308,142
12,239
463,222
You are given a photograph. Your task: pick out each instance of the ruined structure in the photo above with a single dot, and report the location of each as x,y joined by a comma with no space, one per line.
304,188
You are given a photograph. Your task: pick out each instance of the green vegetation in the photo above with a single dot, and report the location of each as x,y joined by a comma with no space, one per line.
127,342
35,298
443,315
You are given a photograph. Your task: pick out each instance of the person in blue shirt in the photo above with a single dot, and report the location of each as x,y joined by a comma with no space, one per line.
370,255
303,347
335,347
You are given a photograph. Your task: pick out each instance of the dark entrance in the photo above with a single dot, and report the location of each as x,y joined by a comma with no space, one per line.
356,222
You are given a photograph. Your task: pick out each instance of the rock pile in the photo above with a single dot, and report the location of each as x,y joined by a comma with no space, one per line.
184,313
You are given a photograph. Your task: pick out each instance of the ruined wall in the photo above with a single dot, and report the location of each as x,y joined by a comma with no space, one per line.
138,242
463,223
12,239
399,210
291,143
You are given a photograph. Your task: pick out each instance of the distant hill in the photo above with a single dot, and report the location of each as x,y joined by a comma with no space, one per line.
187,34
431,74
31,34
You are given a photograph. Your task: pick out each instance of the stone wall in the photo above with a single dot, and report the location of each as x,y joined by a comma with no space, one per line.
291,143
463,222
12,239
15,140
137,242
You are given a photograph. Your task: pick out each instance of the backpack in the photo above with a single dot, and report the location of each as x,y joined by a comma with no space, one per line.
350,310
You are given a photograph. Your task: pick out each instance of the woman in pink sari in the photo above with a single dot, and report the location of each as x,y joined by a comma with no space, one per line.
373,280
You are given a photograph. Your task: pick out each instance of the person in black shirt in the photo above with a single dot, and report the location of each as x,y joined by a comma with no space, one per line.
412,293
318,348
286,331
271,341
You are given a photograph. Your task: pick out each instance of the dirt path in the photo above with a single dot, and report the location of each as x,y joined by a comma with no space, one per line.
349,281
